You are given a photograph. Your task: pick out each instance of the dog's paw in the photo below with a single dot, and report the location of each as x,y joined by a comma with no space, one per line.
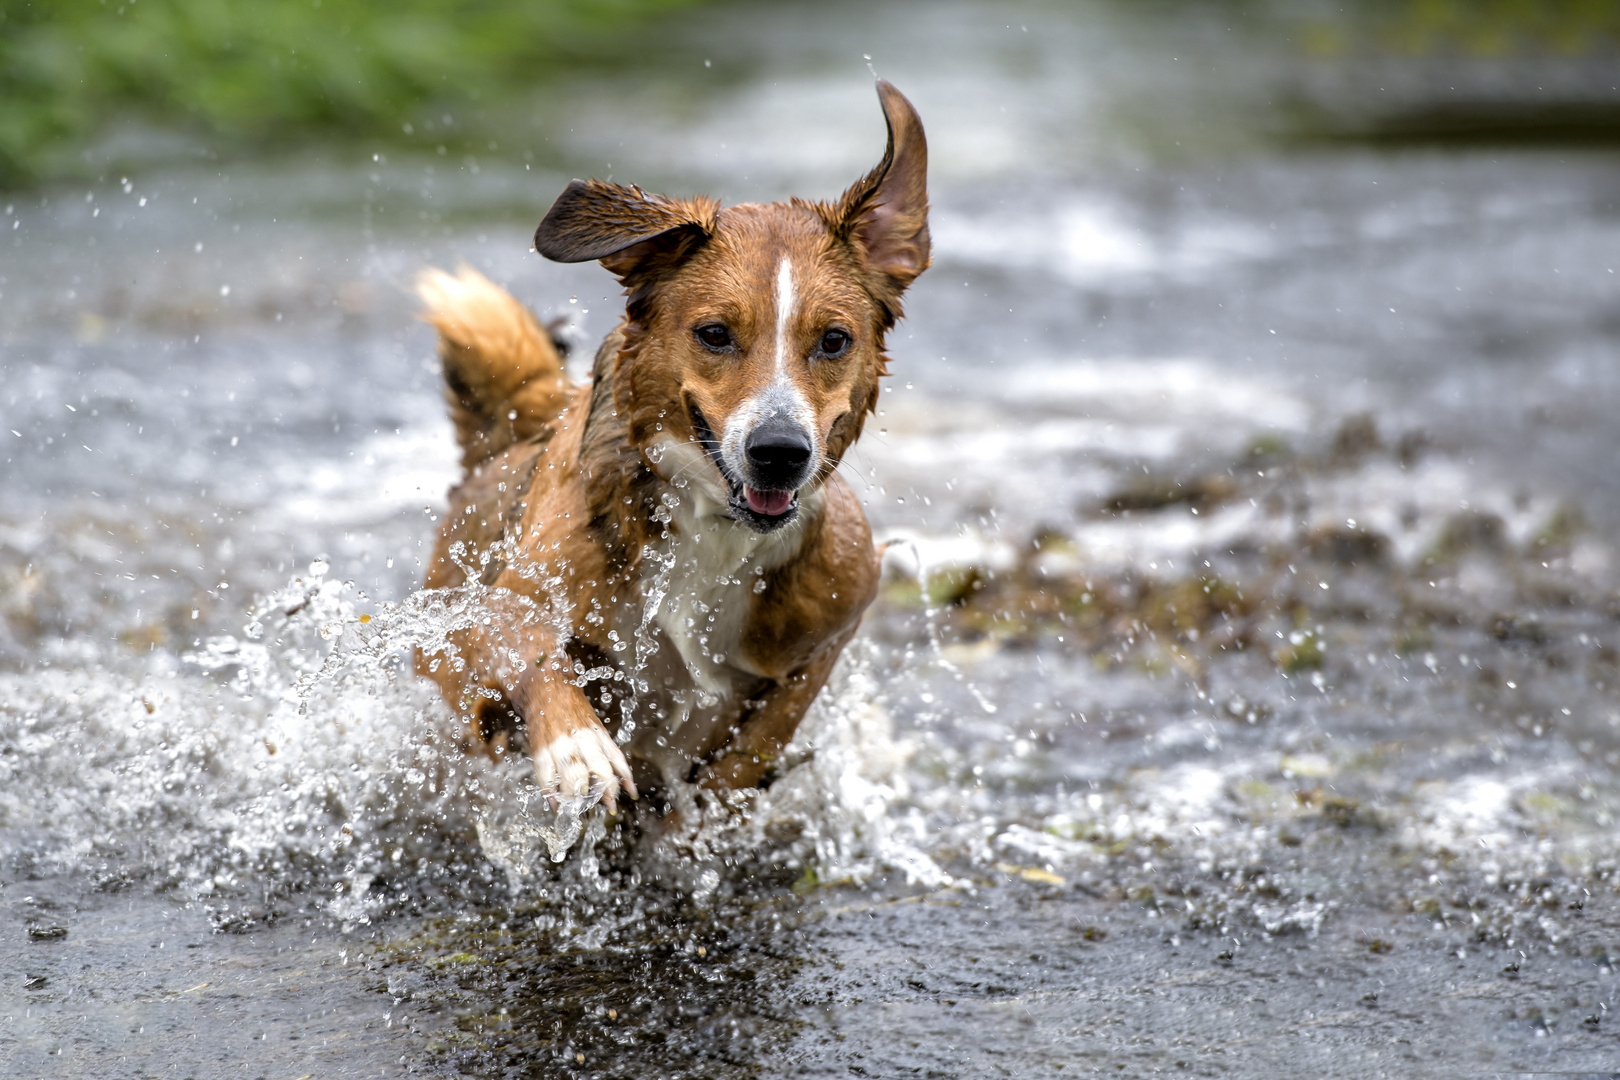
585,765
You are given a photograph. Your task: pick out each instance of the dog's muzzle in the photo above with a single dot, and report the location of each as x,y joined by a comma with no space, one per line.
778,462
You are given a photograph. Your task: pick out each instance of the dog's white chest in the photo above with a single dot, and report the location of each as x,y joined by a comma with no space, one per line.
704,579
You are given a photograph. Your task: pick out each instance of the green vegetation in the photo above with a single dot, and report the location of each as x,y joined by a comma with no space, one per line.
1474,27
239,73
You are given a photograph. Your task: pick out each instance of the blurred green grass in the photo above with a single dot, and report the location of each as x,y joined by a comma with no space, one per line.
242,74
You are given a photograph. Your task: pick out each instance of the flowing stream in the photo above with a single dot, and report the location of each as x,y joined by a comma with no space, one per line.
1243,697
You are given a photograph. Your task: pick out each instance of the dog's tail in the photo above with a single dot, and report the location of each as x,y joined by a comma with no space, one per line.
503,371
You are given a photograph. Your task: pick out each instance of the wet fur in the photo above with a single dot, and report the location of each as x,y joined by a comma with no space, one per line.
581,502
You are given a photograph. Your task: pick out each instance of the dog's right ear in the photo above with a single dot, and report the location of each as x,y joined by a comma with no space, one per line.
624,227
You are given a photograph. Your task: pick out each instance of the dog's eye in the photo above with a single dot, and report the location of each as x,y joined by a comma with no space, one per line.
714,336
834,342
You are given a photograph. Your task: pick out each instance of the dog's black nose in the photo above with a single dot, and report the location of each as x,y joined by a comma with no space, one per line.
778,451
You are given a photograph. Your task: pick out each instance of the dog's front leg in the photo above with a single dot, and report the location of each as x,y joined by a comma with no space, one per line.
574,755
752,753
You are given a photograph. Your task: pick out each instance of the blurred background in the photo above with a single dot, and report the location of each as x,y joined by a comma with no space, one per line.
1251,444
92,87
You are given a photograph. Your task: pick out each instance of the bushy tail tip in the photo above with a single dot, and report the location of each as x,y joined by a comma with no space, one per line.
503,372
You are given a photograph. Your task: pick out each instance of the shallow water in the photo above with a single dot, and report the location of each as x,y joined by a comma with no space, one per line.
1256,713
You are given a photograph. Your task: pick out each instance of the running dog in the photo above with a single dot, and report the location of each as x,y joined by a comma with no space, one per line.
666,561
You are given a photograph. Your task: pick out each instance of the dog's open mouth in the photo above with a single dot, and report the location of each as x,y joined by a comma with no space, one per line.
769,503
761,509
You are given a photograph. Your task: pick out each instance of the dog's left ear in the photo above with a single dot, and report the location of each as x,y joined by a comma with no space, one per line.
885,213
624,227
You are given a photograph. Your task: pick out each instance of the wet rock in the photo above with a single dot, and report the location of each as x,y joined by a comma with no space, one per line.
1466,532
1507,628
953,585
1357,437
1560,530
1345,546
944,586
1335,809
1411,446
1269,446
1157,493
1413,636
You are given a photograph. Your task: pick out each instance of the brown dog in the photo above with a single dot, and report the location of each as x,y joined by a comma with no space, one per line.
670,563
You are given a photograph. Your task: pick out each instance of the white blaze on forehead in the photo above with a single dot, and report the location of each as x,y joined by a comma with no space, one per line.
785,301
781,395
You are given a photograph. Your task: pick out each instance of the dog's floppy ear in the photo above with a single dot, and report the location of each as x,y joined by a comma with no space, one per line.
621,226
885,213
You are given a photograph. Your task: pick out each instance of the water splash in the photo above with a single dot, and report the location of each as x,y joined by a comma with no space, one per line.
924,573
832,812
847,791
288,772
304,758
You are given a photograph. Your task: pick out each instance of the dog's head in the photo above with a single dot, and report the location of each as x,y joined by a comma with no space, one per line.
754,335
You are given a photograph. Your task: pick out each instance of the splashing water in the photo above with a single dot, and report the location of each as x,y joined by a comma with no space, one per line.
923,571
304,755
294,765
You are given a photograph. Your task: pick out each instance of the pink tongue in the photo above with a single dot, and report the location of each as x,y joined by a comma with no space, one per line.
769,503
